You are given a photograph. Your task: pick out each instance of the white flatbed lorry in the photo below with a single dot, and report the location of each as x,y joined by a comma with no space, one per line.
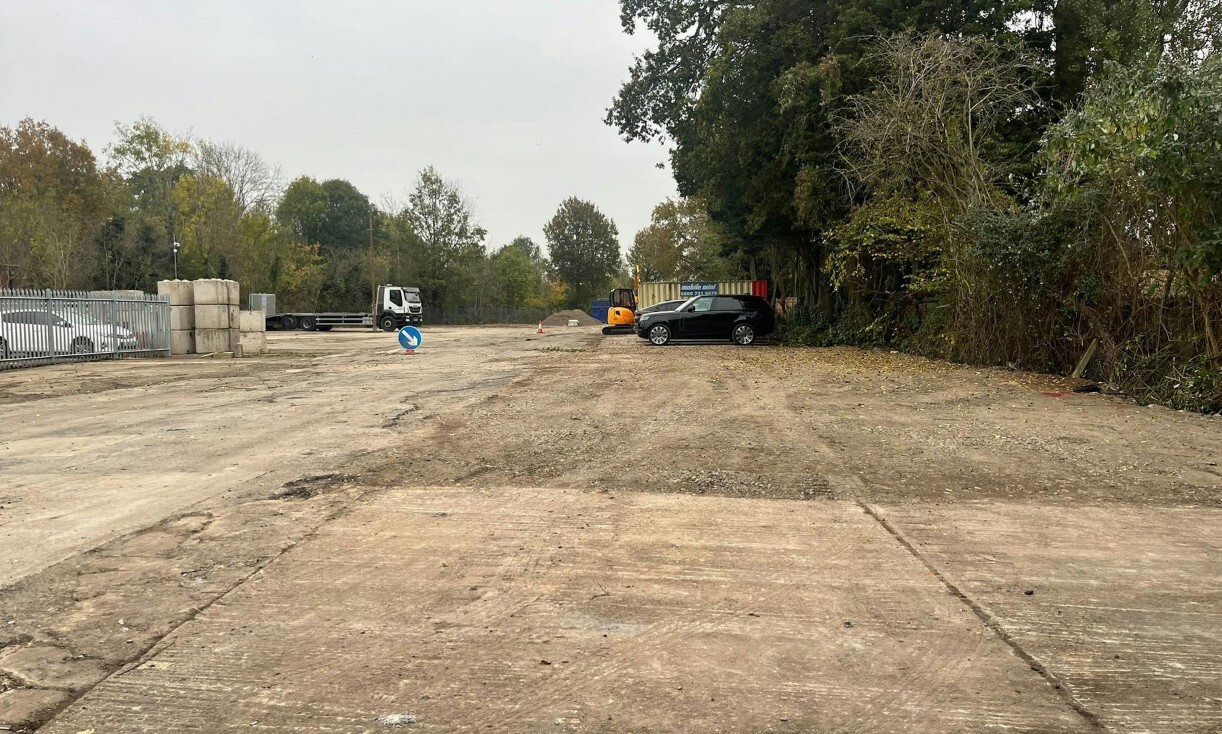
397,306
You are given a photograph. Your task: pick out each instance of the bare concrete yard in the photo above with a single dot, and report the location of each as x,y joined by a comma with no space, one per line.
511,532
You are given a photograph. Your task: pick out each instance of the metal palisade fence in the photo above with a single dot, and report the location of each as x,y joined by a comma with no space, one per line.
46,327
483,315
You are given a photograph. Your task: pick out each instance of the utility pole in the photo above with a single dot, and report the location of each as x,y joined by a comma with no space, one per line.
373,278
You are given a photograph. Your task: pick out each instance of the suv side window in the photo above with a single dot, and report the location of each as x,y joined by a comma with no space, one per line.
727,303
703,304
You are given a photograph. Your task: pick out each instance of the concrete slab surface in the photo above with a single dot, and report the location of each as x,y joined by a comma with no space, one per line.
222,542
1122,604
526,610
91,452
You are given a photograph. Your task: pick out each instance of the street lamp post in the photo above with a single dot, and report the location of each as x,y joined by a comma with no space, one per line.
176,246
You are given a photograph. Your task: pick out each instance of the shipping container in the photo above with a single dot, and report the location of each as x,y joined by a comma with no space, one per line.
652,293
599,309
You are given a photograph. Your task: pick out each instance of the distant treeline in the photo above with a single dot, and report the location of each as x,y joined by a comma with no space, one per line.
73,218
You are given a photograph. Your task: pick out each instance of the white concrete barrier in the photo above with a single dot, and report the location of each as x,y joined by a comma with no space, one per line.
182,342
253,343
211,317
180,292
182,318
250,322
211,293
209,341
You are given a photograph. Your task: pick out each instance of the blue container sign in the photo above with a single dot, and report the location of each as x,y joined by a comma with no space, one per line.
410,338
687,290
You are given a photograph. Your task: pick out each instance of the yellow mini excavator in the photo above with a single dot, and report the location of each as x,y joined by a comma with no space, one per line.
622,313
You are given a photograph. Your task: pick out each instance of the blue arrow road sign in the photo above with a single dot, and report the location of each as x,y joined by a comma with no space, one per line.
410,338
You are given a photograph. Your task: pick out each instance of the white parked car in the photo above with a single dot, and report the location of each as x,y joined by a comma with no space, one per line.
32,333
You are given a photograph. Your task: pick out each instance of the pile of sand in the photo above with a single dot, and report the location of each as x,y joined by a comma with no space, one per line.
561,318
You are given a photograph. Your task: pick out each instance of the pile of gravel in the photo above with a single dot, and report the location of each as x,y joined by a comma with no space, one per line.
561,318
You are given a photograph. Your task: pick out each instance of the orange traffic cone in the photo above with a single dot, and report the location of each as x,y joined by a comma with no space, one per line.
540,331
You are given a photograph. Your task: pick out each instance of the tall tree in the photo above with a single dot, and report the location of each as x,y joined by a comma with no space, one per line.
151,160
518,280
584,247
303,209
531,249
447,244
680,243
333,214
1085,35
255,183
54,202
271,259
747,94
209,226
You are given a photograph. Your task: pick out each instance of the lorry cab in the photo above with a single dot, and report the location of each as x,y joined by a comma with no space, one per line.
397,307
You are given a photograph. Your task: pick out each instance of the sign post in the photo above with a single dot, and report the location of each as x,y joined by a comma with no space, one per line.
410,339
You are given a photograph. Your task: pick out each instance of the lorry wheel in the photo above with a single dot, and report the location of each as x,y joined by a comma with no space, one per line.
387,323
309,323
288,323
3,349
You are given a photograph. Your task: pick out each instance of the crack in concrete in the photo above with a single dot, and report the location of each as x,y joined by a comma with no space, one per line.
163,642
989,621
151,651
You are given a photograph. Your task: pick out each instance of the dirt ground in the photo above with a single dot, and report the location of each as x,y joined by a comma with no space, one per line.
576,533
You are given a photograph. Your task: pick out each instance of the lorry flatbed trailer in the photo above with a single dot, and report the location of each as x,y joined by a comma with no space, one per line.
318,321
396,307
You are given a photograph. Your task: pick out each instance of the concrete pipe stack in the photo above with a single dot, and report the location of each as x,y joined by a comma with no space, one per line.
252,328
182,314
216,316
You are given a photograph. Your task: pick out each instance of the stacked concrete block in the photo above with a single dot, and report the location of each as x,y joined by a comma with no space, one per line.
216,315
182,314
252,328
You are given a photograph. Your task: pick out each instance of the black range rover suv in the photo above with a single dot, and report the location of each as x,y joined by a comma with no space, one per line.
742,319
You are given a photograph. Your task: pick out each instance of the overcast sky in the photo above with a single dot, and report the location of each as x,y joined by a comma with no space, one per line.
504,96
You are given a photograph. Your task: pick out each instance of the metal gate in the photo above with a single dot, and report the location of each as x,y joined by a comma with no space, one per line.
46,327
